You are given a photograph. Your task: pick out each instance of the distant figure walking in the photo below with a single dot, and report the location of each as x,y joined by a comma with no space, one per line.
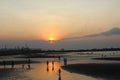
4,63
29,61
65,61
12,64
29,66
52,63
59,58
22,66
47,63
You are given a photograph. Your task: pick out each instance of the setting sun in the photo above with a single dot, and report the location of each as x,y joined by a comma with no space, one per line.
51,38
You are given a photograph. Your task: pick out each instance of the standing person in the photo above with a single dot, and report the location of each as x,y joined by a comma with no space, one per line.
47,65
65,61
22,66
52,65
28,66
4,63
29,62
59,58
12,64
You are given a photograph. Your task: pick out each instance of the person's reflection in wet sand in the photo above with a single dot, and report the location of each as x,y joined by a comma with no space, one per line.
47,69
52,68
59,74
59,78
52,65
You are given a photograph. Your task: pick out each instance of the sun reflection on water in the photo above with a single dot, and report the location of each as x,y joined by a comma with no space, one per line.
39,72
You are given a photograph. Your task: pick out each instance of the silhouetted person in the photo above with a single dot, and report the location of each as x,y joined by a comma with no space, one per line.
47,63
52,63
29,61
12,64
22,66
59,58
65,61
4,63
102,55
29,66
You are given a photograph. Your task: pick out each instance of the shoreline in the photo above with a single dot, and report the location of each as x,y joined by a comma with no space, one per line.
17,62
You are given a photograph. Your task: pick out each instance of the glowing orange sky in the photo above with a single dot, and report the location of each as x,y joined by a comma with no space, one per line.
58,19
50,34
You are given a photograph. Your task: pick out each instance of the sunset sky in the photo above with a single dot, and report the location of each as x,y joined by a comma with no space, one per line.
69,22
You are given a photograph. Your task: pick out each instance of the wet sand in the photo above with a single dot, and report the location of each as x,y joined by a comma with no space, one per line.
39,72
108,71
17,62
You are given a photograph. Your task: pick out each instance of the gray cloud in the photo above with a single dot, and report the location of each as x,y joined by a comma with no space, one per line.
113,31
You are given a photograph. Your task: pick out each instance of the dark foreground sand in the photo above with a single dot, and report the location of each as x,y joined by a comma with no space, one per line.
106,71
108,58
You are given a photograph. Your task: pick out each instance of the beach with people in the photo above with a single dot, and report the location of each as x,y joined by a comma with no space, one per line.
84,66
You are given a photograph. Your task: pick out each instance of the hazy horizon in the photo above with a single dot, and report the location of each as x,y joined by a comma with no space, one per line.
72,24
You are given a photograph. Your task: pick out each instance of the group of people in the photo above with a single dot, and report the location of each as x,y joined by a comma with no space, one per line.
59,70
12,63
48,65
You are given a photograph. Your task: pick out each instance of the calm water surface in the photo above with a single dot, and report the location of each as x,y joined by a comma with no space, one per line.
39,71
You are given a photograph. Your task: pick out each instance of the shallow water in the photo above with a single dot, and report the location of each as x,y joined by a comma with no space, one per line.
39,71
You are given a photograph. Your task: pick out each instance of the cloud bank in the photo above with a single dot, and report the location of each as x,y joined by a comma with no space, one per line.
113,31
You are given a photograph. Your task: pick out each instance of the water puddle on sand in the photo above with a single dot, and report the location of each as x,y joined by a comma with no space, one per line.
41,72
